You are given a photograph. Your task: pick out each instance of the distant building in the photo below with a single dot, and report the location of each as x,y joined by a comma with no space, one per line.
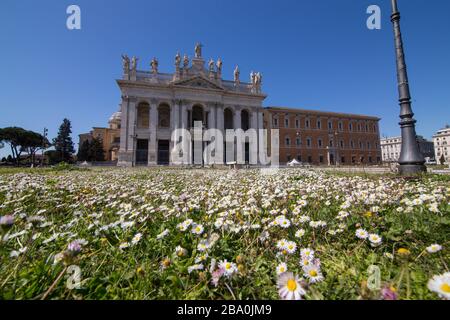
442,144
391,147
110,137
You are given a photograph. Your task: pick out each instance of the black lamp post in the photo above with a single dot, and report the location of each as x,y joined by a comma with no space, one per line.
411,160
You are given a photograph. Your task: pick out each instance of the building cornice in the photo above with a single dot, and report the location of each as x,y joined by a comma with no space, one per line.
322,113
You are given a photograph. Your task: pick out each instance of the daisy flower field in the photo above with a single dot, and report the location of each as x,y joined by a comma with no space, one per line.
172,233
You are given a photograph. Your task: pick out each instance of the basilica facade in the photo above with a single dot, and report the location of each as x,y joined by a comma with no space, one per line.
155,104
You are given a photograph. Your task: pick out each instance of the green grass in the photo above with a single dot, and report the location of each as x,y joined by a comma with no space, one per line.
81,204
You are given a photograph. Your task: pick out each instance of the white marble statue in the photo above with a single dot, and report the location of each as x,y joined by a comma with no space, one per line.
126,63
211,65
134,62
198,50
236,74
177,60
185,61
154,65
219,65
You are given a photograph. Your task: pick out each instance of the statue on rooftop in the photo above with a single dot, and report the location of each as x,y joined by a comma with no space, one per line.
185,61
134,62
211,65
126,63
198,50
177,60
252,78
259,79
236,75
219,65
154,65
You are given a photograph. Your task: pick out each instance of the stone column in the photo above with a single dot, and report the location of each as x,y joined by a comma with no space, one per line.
262,140
124,125
254,120
220,125
175,114
131,125
237,118
237,125
220,117
184,124
152,148
124,158
212,117
175,128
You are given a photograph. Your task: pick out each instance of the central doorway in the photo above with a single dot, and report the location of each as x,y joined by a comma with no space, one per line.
163,152
141,152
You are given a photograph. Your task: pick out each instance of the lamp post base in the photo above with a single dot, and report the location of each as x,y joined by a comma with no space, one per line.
411,169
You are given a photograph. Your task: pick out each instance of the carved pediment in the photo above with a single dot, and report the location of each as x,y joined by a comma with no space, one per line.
198,82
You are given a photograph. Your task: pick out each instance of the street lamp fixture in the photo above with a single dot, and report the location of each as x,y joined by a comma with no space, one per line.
411,160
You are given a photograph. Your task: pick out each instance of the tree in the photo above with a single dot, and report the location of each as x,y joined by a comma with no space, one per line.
63,142
33,142
442,159
16,138
22,140
83,151
96,151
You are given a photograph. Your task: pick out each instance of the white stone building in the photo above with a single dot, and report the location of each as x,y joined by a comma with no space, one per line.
154,104
442,144
391,147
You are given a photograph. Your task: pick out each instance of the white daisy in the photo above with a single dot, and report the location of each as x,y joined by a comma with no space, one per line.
441,285
281,268
291,247
375,240
434,248
137,237
195,267
362,234
312,272
228,267
197,229
300,233
289,287
281,244
342,215
162,234
307,253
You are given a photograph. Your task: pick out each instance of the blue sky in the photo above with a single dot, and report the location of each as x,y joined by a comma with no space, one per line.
314,54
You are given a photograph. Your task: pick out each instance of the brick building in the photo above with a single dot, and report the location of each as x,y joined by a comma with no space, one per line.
325,138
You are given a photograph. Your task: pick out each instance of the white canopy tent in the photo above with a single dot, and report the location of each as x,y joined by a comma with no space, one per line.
293,163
